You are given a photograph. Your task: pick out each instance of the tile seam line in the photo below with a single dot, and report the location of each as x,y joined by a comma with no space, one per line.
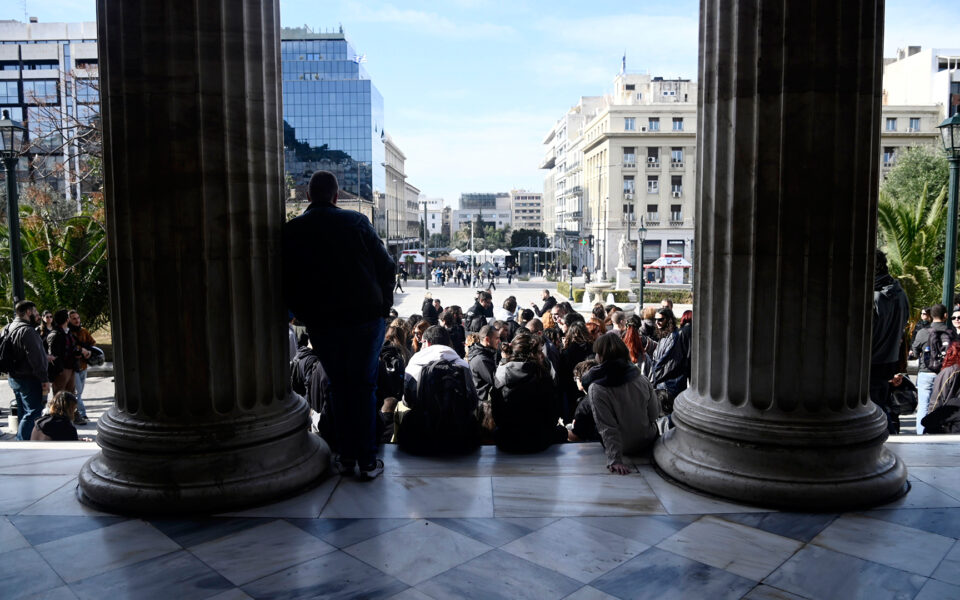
956,544
336,486
272,573
904,571
44,497
182,549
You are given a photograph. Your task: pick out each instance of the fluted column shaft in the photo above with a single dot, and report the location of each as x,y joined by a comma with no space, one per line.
789,113
190,100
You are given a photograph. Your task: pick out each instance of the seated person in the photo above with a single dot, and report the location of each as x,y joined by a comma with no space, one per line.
624,402
438,414
524,398
583,428
57,424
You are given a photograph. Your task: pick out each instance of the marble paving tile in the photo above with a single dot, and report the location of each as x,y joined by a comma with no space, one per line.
10,537
942,521
60,593
13,454
649,530
193,532
495,532
886,543
410,594
347,532
234,594
927,453
949,568
412,497
174,575
742,550
679,501
660,575
93,552
575,549
259,551
574,496
798,526
766,592
938,590
24,573
499,575
559,459
307,505
922,495
589,593
63,466
19,492
816,572
334,576
945,479
418,551
39,530
63,502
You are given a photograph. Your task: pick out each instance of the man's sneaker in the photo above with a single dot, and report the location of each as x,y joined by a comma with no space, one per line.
340,467
80,421
372,471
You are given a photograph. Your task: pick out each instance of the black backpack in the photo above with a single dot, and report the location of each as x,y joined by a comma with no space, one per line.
443,418
10,355
475,322
390,373
937,342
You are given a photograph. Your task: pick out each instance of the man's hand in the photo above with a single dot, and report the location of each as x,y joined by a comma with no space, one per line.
45,387
51,358
619,468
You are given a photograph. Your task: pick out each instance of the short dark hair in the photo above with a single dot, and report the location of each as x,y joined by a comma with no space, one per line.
566,307
880,266
526,314
484,296
323,187
23,307
535,325
510,304
938,311
584,366
668,301
436,335
448,318
609,347
60,317
486,331
573,317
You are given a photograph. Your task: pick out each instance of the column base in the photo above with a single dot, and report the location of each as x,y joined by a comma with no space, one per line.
817,462
151,468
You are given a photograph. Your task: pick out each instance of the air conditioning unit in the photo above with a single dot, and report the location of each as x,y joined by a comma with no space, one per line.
643,129
652,159
628,195
676,194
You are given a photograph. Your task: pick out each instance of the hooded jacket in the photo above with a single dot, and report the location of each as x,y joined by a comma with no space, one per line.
890,311
524,407
625,408
55,428
483,366
33,353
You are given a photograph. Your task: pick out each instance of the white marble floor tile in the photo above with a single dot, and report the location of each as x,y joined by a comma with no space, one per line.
886,543
923,495
304,506
234,594
574,496
64,503
736,548
10,537
24,574
766,592
410,594
575,549
60,593
416,552
63,466
14,454
945,479
949,568
411,497
17,492
938,590
253,553
589,593
487,461
679,501
101,550
931,452
650,530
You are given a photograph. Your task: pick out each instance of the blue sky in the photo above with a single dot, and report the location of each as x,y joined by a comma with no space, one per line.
471,87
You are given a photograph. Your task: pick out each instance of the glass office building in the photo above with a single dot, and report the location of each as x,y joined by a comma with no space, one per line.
332,112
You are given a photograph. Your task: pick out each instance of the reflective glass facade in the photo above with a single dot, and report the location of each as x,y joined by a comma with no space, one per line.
332,112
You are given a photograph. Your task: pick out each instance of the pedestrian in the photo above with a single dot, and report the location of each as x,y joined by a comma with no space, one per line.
46,325
548,303
329,246
62,346
86,343
929,347
398,286
28,376
428,310
890,312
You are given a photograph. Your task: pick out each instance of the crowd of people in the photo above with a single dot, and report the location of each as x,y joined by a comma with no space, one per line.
465,275
48,355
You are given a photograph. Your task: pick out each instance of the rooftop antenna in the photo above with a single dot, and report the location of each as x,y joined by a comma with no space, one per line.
623,64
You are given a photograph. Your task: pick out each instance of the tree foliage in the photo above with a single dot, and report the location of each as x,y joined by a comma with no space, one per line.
916,168
529,237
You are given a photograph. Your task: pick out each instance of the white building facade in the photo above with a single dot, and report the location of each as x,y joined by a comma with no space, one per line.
493,210
527,209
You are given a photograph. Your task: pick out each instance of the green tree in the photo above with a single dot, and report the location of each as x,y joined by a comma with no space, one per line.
911,235
529,237
916,168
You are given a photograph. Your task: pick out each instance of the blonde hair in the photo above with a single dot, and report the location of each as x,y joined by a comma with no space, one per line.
63,403
547,320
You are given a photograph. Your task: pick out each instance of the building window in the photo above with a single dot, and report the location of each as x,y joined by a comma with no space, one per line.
889,154
676,214
628,184
9,92
891,124
675,246
628,212
653,155
651,251
629,124
676,155
629,157
654,124
914,124
676,184
653,213
653,184
630,87
678,123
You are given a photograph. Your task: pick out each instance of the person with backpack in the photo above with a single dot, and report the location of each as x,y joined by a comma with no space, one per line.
943,412
890,312
438,414
930,347
24,358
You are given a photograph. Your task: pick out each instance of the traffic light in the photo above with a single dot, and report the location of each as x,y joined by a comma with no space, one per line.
583,241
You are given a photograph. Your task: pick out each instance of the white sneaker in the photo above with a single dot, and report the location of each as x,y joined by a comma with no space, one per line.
368,473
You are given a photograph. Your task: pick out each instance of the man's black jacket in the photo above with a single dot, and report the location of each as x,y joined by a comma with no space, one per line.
327,249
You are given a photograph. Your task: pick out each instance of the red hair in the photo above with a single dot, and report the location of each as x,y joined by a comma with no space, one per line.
952,357
594,330
687,317
634,343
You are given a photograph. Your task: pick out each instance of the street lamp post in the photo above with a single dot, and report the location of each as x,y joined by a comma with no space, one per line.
426,250
11,144
950,135
641,237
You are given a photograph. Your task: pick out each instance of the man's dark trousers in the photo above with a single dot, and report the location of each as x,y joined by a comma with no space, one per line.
350,356
30,403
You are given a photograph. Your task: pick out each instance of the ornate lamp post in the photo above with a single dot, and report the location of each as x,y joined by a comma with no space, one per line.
641,237
950,135
11,146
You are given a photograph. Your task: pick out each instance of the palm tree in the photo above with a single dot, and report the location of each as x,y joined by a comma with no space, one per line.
911,235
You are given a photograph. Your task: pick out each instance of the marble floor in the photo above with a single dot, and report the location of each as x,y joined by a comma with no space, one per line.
551,525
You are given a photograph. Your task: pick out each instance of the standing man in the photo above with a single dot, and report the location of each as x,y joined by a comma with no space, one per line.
548,303
929,347
85,341
28,378
323,246
890,311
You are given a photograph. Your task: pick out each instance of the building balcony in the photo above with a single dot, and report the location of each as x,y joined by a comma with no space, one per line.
629,164
676,164
653,162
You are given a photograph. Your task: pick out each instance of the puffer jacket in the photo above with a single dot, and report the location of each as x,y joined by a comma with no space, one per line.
483,366
524,407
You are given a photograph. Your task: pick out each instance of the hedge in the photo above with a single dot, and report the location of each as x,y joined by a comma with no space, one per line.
652,295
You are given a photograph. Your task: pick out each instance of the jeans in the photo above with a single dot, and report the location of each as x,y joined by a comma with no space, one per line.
350,356
80,378
30,403
924,389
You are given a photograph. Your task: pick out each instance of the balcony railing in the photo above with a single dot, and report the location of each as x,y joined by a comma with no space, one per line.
676,164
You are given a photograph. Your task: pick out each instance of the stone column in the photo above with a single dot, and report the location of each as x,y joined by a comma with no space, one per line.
789,116
204,420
